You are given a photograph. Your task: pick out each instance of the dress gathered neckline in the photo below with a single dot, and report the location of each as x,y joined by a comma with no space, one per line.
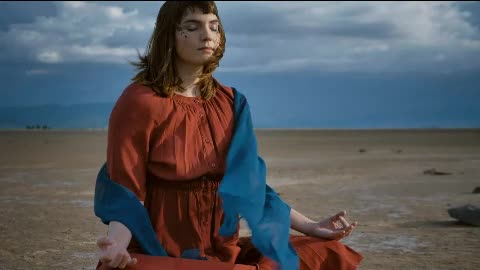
187,99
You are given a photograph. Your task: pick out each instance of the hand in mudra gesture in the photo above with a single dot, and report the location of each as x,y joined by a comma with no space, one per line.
335,227
112,254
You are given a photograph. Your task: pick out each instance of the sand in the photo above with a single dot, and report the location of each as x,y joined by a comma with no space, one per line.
47,183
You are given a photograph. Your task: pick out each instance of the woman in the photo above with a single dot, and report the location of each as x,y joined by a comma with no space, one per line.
179,142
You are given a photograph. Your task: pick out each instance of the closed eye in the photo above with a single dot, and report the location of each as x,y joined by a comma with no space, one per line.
214,29
194,26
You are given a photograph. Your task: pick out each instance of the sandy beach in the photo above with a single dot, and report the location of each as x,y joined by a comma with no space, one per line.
47,181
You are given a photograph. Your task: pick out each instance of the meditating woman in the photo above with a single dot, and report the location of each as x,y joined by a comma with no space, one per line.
182,167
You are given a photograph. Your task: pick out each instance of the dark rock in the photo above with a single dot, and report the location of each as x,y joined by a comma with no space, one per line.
476,190
468,214
433,171
362,150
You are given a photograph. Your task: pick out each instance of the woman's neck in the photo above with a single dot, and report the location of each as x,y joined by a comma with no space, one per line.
189,75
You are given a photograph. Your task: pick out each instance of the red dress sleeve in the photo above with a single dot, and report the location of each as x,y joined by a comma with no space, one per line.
129,129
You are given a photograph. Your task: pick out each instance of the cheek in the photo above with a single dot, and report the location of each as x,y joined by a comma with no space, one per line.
216,41
184,43
178,43
181,47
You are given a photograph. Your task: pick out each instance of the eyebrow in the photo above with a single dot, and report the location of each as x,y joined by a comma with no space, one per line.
197,21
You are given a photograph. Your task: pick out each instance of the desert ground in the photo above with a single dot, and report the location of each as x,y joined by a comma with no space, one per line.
47,181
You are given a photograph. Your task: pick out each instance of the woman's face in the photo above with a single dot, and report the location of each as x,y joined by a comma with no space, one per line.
197,37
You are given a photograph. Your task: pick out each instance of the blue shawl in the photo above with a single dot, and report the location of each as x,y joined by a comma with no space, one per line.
243,191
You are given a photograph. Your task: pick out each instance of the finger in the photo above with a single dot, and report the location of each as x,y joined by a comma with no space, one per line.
347,232
337,226
350,229
105,259
116,260
102,242
337,215
133,261
107,255
344,222
124,261
354,224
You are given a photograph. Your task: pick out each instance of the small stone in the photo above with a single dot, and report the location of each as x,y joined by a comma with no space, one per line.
362,150
433,171
476,190
468,214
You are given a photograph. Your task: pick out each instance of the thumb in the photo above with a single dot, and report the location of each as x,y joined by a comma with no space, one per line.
133,261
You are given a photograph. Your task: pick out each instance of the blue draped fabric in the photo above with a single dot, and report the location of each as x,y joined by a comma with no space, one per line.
243,191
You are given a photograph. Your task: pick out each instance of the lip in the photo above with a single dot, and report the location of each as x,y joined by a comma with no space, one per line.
206,49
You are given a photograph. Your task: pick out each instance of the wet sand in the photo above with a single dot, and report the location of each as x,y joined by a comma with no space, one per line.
47,180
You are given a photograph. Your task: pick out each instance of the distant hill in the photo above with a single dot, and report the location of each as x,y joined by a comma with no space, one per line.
94,115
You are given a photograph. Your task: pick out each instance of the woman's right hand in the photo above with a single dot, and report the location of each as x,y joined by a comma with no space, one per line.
114,255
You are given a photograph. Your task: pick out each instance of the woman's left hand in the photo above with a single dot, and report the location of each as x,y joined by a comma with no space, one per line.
335,227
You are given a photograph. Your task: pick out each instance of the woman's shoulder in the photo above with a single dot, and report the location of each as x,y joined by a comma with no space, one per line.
140,99
136,92
230,91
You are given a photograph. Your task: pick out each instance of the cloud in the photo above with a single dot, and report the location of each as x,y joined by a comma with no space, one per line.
49,57
13,12
266,36
80,32
353,36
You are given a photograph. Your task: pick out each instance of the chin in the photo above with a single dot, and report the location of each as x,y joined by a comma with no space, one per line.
201,62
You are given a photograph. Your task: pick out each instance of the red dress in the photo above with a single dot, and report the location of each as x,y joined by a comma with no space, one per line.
171,153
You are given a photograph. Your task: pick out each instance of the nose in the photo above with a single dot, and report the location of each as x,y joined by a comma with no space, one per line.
207,34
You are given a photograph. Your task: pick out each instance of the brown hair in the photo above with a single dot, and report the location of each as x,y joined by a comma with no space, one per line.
157,67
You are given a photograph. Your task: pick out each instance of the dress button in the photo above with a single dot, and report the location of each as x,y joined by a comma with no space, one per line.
201,115
207,140
196,100
214,165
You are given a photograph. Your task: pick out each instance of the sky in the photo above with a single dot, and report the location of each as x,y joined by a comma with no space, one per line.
300,64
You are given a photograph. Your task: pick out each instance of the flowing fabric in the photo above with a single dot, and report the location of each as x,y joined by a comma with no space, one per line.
243,191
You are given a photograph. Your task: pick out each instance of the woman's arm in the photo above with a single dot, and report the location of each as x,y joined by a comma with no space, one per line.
334,227
120,233
113,247
301,223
